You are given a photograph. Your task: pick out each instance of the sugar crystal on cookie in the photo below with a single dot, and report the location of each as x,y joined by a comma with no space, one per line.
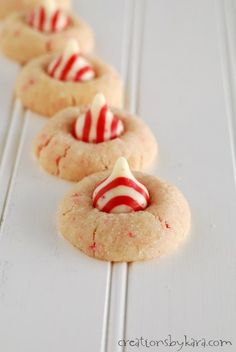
71,65
98,124
121,192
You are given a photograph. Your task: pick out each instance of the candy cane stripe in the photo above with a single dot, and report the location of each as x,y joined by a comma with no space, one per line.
120,181
71,65
104,125
114,126
68,67
120,192
82,72
48,20
101,124
41,19
55,20
121,200
87,126
55,66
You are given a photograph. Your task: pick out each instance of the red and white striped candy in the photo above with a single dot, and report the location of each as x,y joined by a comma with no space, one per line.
98,124
71,65
48,18
121,192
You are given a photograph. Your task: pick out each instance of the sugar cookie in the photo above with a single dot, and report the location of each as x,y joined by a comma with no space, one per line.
124,236
51,83
71,149
44,29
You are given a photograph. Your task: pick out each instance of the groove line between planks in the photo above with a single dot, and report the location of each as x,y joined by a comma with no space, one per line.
131,64
227,37
10,155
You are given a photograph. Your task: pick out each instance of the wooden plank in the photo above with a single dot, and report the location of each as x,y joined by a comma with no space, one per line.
49,291
11,124
9,154
226,11
191,292
8,71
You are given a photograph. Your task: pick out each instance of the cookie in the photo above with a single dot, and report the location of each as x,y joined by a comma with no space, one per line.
125,236
72,150
43,30
41,90
9,6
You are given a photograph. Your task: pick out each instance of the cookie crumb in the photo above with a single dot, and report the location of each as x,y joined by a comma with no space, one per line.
17,33
28,84
131,234
93,246
167,225
57,160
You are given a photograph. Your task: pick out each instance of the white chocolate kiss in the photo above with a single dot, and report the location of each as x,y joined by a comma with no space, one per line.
121,192
101,123
79,70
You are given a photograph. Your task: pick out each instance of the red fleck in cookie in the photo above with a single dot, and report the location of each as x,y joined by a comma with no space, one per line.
41,30
9,6
68,79
80,141
124,216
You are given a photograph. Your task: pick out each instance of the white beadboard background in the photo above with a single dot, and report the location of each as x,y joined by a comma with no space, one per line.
178,61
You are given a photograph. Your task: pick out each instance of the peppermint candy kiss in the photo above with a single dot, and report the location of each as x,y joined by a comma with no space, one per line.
121,192
71,66
98,124
48,18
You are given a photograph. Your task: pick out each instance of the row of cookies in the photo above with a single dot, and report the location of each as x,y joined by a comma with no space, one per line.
112,214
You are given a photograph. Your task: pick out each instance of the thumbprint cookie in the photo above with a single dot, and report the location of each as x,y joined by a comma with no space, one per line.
80,141
44,29
54,82
124,216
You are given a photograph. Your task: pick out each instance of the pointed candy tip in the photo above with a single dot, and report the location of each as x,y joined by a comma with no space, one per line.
72,47
121,167
49,5
98,101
